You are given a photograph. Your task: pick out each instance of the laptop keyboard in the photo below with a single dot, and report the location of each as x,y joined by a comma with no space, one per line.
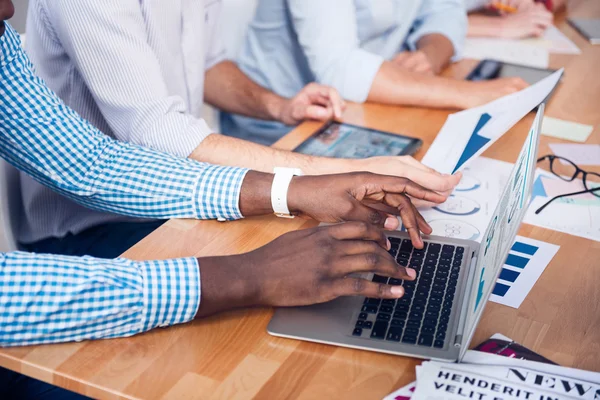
422,315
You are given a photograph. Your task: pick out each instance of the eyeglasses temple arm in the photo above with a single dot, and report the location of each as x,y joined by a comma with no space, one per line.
539,210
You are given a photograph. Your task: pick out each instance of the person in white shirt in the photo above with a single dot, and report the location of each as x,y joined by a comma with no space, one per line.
140,71
384,51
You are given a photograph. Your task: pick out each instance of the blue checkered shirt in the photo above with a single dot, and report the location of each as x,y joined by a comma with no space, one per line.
49,298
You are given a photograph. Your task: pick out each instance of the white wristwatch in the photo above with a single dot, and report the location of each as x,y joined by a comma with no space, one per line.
279,190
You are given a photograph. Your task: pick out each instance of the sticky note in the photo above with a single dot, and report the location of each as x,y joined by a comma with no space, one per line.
580,154
568,130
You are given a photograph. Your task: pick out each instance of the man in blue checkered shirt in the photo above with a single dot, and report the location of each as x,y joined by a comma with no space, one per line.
50,298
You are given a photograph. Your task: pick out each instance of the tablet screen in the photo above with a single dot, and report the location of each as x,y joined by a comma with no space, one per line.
349,141
490,69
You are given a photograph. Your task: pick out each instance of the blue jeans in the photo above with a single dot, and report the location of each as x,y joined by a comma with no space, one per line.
14,386
103,241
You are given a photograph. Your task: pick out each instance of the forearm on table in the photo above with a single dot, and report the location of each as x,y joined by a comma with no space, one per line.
84,298
224,150
484,25
395,85
438,49
229,89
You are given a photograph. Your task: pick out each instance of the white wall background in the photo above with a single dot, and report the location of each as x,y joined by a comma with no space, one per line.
18,21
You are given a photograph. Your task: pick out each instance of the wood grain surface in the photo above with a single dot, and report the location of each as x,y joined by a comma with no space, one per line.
230,356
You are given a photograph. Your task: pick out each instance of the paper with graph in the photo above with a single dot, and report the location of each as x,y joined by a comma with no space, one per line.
467,212
525,263
467,134
576,215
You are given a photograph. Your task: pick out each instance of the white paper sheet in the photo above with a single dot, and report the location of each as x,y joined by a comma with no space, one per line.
468,211
576,215
468,133
526,262
517,380
510,51
580,154
554,41
478,358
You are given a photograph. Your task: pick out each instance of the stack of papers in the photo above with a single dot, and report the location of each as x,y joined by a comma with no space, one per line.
484,376
508,51
529,52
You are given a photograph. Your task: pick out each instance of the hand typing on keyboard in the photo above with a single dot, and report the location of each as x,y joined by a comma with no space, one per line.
349,197
303,267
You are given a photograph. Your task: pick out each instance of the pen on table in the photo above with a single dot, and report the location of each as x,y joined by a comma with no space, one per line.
504,8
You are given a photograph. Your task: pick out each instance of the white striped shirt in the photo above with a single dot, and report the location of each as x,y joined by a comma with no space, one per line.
49,298
134,69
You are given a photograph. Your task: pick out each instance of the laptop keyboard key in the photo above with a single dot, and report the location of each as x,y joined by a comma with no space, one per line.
360,323
410,339
413,323
383,317
406,245
428,330
397,322
362,315
394,334
438,343
379,329
372,301
400,315
368,325
386,309
357,332
425,340
369,309
380,279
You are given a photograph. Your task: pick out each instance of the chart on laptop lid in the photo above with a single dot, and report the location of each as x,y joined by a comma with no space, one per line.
501,232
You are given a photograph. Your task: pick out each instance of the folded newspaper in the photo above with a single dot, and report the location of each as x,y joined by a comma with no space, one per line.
483,376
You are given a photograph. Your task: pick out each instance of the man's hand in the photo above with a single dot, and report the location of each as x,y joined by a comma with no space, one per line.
482,92
415,61
314,101
352,197
408,167
301,268
531,22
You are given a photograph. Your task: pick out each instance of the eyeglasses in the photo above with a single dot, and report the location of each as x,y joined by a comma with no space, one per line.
568,171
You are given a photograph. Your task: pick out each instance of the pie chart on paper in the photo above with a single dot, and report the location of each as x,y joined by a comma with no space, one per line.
454,229
458,205
467,184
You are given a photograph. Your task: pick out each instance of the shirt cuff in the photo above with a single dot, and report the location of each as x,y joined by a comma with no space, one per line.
357,74
218,192
185,144
171,292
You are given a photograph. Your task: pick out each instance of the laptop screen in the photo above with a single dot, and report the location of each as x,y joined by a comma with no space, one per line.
502,230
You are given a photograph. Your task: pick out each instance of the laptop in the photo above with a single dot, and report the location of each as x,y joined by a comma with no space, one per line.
437,316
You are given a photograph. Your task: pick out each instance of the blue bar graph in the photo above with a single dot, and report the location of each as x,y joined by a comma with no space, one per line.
524,248
500,289
516,261
509,275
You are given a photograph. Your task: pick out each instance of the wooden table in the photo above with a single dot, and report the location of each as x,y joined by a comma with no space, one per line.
231,355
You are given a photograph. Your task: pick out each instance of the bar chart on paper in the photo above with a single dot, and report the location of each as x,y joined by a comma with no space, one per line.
525,263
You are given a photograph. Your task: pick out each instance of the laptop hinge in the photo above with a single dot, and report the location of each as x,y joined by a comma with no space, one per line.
458,340
465,304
